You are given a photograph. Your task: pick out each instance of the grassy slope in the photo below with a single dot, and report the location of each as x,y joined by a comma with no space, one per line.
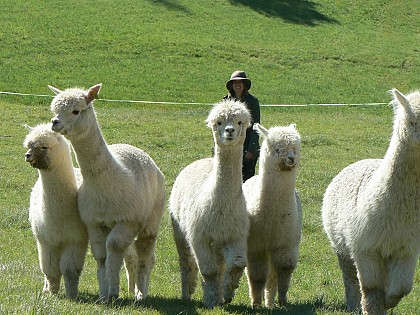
294,51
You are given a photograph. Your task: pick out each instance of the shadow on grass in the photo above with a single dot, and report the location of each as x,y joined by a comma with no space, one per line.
302,12
167,305
171,5
161,304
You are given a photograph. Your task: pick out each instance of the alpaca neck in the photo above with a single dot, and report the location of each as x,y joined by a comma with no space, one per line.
276,183
59,177
92,152
401,162
227,168
396,182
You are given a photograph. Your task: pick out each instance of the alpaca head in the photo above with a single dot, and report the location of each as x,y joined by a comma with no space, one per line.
229,120
280,148
46,148
407,116
73,109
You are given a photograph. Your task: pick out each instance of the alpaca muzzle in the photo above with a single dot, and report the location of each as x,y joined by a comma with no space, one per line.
290,161
29,157
56,124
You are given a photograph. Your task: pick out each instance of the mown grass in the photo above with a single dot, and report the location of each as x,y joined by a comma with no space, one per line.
175,136
184,51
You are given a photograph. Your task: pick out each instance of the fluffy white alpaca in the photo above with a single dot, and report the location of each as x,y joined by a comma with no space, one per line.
61,236
208,211
121,200
371,213
275,215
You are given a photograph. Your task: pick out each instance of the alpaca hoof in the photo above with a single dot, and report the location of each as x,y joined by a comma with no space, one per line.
101,300
213,303
186,298
72,297
228,298
269,305
255,305
282,300
140,296
112,299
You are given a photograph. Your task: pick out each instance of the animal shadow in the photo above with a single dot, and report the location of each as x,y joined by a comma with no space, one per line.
163,305
167,305
292,11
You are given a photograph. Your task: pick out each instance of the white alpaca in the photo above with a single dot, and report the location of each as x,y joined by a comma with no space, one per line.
275,215
121,200
61,236
371,213
208,211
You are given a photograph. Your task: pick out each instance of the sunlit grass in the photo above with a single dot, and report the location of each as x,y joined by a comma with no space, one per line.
296,52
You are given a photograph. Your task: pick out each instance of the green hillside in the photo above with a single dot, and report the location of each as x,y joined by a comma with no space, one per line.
183,51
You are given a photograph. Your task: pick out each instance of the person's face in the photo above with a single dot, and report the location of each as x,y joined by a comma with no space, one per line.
238,87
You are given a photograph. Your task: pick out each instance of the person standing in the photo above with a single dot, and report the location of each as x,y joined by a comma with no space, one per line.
238,87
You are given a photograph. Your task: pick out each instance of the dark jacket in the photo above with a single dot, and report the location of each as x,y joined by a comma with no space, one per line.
252,139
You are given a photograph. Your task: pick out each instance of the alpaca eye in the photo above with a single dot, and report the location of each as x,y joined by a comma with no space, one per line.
239,123
219,123
76,112
44,148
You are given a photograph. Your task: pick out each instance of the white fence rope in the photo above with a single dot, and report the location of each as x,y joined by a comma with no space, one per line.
186,103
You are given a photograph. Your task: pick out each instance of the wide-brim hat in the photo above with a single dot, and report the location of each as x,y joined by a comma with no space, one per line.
239,75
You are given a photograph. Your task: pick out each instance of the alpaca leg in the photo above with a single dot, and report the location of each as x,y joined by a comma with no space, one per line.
236,261
271,288
209,265
373,301
49,262
187,263
257,273
97,237
118,240
400,280
146,245
371,274
131,267
284,262
71,265
284,275
351,282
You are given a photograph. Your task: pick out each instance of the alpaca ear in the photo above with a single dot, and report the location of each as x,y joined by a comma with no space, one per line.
400,98
28,127
260,129
93,93
55,90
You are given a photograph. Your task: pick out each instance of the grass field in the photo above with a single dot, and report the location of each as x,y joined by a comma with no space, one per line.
296,52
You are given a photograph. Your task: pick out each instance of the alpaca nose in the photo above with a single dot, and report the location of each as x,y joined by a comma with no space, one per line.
229,129
290,158
55,121
27,154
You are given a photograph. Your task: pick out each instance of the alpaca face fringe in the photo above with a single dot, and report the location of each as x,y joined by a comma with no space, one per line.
71,107
68,107
40,142
281,147
229,120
